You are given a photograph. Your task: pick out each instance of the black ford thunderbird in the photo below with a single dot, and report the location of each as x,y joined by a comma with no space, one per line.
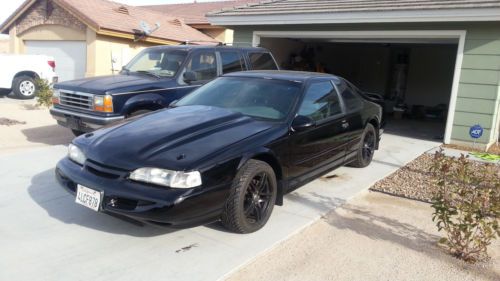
228,151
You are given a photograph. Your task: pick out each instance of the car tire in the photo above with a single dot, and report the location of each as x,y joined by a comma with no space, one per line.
139,112
366,150
251,199
24,87
77,133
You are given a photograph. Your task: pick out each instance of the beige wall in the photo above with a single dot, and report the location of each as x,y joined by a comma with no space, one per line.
219,34
45,33
4,46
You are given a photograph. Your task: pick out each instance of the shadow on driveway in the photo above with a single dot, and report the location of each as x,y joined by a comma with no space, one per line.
51,135
59,204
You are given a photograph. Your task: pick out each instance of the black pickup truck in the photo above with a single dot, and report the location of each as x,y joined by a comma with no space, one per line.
152,80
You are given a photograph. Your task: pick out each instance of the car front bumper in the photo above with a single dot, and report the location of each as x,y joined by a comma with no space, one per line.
161,206
82,121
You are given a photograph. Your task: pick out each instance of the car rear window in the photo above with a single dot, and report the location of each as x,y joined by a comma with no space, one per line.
262,61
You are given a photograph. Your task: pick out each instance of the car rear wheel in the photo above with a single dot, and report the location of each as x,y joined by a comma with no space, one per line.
365,152
24,87
251,199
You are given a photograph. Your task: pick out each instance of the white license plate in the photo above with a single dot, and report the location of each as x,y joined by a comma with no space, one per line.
88,197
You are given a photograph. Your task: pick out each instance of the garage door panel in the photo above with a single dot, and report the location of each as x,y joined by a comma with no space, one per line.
70,56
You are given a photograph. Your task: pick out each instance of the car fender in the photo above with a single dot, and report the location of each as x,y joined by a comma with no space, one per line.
268,156
145,101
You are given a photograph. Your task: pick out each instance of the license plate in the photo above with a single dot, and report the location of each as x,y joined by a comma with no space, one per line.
88,197
74,123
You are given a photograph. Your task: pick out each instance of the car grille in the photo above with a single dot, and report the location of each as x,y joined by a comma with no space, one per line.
76,100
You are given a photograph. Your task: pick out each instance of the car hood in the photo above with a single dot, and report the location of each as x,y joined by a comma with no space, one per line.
177,138
112,84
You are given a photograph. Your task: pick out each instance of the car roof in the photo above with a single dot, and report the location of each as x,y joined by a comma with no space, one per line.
198,47
301,76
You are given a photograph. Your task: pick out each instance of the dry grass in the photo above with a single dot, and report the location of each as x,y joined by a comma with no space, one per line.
494,149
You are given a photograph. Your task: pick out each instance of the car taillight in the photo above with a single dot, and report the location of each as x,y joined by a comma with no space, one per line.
52,64
103,103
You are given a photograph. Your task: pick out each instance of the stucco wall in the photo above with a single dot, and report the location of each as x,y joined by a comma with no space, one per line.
479,88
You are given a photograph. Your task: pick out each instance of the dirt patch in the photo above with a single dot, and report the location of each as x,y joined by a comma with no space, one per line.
494,149
414,180
10,122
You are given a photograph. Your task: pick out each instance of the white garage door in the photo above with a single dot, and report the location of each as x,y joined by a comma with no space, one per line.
70,56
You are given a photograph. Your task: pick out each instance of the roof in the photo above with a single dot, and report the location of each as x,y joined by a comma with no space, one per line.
218,47
194,13
338,6
103,15
300,76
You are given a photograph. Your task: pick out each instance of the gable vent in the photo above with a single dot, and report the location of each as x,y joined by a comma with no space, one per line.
122,10
176,22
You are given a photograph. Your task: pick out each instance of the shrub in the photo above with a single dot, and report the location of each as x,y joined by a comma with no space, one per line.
44,93
466,205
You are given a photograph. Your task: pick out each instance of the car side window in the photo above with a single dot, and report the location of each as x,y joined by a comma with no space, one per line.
204,65
262,61
231,62
351,100
321,101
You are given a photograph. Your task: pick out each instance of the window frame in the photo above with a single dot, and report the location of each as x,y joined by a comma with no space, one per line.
341,103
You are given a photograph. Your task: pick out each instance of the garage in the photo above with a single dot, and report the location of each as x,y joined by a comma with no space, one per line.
415,75
70,56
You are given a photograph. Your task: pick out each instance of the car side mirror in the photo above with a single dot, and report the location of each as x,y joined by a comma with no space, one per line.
302,123
189,76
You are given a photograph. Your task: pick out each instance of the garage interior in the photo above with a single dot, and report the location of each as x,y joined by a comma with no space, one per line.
415,76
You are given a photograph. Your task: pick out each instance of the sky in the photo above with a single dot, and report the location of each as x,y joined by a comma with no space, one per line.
9,6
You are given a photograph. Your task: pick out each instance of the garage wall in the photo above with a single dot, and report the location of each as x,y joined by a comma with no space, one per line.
479,89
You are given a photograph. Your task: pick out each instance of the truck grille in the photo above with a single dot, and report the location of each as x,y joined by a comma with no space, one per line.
76,100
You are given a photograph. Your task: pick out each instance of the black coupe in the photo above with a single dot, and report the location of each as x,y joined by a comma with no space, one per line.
228,151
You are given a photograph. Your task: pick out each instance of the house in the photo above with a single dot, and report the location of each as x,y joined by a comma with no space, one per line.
436,62
91,37
194,15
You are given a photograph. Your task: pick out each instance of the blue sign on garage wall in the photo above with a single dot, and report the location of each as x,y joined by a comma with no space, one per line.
476,131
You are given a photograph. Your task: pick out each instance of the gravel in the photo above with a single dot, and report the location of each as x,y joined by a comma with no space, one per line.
414,181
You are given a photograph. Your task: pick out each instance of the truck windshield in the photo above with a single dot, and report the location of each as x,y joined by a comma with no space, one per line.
156,62
255,97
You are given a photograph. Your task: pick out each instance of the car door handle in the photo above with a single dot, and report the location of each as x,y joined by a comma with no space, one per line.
345,124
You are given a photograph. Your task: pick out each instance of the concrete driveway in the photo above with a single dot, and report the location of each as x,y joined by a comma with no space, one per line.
46,236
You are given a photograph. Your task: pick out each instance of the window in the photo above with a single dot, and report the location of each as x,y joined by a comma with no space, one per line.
204,65
348,92
320,101
231,62
262,61
159,62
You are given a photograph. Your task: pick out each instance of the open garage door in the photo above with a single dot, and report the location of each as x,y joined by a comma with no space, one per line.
70,56
416,75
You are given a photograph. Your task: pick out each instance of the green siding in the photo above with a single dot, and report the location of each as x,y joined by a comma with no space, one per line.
479,89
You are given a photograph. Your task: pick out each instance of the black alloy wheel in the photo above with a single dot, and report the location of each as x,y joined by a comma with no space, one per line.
251,199
367,148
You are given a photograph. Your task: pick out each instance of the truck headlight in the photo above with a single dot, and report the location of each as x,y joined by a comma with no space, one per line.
76,154
103,103
168,178
55,96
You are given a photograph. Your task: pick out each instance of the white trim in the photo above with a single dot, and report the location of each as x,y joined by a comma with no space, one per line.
388,34
440,15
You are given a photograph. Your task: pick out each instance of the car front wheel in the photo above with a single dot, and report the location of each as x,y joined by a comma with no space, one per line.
252,198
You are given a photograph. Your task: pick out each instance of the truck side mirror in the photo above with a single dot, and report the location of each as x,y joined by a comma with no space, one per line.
189,76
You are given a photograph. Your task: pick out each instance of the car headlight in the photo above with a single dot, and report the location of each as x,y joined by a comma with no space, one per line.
76,154
55,96
103,103
168,178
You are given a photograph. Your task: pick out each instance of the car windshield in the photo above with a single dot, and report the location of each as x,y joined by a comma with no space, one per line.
156,62
255,97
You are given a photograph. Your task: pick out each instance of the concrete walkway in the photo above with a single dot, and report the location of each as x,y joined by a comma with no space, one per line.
46,236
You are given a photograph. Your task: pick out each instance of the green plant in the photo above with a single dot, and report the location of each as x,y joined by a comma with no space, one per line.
44,93
466,205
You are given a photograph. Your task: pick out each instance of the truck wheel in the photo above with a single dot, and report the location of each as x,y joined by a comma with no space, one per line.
77,133
24,87
251,199
365,152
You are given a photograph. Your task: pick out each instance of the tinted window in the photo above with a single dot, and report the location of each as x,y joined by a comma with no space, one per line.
348,92
256,97
231,62
157,61
262,61
204,65
320,101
